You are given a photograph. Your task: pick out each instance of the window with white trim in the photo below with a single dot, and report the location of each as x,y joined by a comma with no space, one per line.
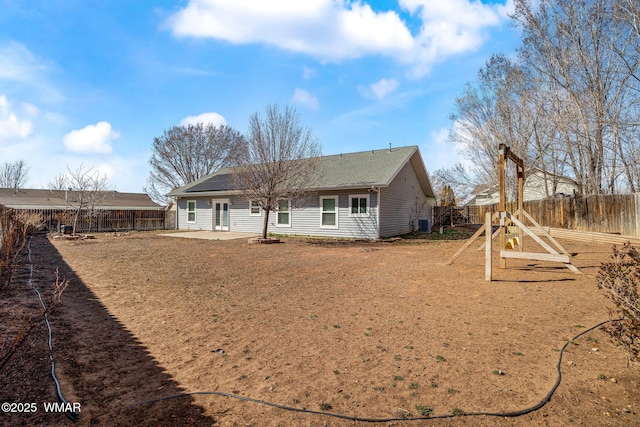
191,211
359,205
284,213
254,208
329,211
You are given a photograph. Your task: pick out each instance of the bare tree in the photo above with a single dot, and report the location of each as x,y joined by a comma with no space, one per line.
280,162
584,60
184,154
457,178
84,190
492,110
446,196
14,175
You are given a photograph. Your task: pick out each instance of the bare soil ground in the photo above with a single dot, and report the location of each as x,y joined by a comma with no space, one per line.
371,330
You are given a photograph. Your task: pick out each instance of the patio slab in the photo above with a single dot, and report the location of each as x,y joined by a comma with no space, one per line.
211,235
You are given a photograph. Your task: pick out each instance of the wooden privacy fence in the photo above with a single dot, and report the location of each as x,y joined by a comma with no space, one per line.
618,214
102,220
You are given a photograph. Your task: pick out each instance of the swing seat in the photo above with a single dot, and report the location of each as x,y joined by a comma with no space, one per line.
513,242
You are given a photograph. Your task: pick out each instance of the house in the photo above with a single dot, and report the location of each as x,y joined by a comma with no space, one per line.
370,194
115,210
538,185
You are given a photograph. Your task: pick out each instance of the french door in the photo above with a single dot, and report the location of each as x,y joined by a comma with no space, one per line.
220,215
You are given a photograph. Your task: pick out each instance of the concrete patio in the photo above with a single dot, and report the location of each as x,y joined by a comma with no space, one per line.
210,235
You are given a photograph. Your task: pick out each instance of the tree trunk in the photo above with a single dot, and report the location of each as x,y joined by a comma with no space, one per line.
266,223
75,221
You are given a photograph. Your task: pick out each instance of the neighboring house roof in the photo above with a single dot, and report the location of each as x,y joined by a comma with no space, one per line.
60,199
374,168
534,188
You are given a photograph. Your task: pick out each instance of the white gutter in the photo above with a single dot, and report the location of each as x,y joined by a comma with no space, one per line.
377,190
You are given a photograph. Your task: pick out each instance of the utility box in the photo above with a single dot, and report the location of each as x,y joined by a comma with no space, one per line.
424,226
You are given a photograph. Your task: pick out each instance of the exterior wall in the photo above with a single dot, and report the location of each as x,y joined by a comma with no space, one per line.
403,202
240,220
395,216
534,189
204,214
304,220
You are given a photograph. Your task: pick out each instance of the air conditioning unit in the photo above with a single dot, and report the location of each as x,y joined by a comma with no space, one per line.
424,226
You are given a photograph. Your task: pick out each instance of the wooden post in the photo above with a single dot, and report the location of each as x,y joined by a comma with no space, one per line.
502,154
636,196
487,250
520,171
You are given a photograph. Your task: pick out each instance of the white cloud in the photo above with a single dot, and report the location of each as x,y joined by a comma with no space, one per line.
439,153
440,137
443,152
11,126
338,30
17,62
308,73
205,118
509,8
91,139
384,87
19,66
125,174
325,29
305,99
449,27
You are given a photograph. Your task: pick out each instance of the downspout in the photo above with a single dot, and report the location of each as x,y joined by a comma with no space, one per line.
177,213
377,190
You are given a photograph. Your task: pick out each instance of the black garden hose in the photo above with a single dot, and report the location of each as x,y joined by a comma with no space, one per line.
525,411
72,415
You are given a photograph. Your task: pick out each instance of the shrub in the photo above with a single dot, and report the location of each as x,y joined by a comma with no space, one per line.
424,410
17,322
620,279
14,228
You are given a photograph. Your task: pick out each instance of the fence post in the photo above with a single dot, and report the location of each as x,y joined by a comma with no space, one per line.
488,231
636,196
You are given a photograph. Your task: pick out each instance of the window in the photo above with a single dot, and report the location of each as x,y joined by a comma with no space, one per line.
284,213
191,211
329,212
254,208
359,205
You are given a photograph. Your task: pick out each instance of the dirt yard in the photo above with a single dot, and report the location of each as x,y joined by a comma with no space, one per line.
368,330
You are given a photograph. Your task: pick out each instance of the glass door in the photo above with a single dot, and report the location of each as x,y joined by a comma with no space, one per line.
221,215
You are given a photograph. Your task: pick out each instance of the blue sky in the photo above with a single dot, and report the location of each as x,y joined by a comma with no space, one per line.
92,82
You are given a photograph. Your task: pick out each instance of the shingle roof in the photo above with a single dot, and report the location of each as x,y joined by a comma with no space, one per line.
48,199
351,170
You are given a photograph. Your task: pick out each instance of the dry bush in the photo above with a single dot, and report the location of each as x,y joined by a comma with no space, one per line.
620,279
17,321
15,227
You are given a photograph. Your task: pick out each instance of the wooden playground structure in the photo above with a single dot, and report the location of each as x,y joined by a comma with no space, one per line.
512,227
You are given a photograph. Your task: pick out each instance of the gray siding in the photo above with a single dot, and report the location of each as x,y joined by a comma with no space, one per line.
204,214
239,217
398,203
306,220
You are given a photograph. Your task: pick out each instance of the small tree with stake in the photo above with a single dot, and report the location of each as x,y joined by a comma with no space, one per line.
279,161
